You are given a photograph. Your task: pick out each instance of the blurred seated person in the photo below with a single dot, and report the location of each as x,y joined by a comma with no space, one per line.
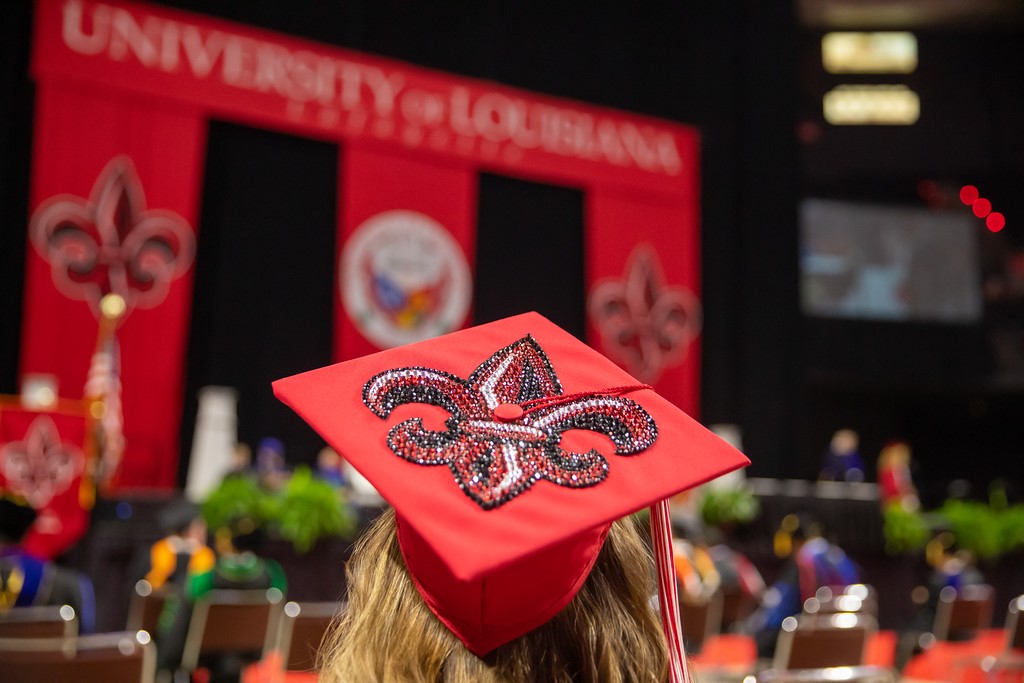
700,567
182,551
951,567
328,467
238,567
894,481
270,463
738,576
842,461
27,581
705,555
812,562
696,574
241,459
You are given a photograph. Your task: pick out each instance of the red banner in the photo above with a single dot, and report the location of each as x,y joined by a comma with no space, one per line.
643,306
267,79
124,92
44,458
80,135
408,229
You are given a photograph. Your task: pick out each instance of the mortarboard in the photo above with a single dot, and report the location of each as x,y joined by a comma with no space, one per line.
507,450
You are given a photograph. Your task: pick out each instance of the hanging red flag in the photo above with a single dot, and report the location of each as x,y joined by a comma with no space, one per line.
45,458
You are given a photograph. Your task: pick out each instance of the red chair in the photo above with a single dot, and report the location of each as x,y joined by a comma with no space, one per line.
962,614
1009,664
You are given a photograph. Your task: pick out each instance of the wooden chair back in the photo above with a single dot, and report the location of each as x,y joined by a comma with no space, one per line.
851,674
303,626
859,598
701,619
39,622
823,641
1015,624
124,657
1004,666
736,606
232,621
961,614
145,607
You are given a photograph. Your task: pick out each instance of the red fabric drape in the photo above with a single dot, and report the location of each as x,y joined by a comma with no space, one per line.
78,131
372,183
43,458
620,229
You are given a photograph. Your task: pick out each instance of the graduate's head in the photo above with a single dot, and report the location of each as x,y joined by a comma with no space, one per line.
609,631
508,451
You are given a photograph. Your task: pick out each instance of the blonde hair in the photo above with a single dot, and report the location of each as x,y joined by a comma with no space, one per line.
608,632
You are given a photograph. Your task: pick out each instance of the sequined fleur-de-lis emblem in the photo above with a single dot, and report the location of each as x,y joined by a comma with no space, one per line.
40,466
506,424
644,324
110,243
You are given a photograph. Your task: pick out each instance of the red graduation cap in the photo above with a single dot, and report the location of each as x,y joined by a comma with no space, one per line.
506,450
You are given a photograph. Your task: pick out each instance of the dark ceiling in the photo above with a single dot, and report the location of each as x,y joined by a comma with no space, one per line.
911,14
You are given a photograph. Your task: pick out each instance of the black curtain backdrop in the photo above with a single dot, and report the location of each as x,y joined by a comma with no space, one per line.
529,252
263,299
16,106
264,278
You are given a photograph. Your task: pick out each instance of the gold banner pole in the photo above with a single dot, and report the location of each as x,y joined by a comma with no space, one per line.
109,443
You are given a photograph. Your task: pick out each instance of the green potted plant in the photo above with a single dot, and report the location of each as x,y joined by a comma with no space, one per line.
725,508
310,508
975,525
303,511
905,530
238,497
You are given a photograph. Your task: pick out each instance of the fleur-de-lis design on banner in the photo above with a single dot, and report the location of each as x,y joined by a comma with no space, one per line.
644,324
506,424
40,466
110,243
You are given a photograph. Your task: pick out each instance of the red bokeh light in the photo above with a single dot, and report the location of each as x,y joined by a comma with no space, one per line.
981,207
968,193
995,221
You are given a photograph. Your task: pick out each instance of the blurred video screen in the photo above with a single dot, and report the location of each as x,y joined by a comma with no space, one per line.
895,263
